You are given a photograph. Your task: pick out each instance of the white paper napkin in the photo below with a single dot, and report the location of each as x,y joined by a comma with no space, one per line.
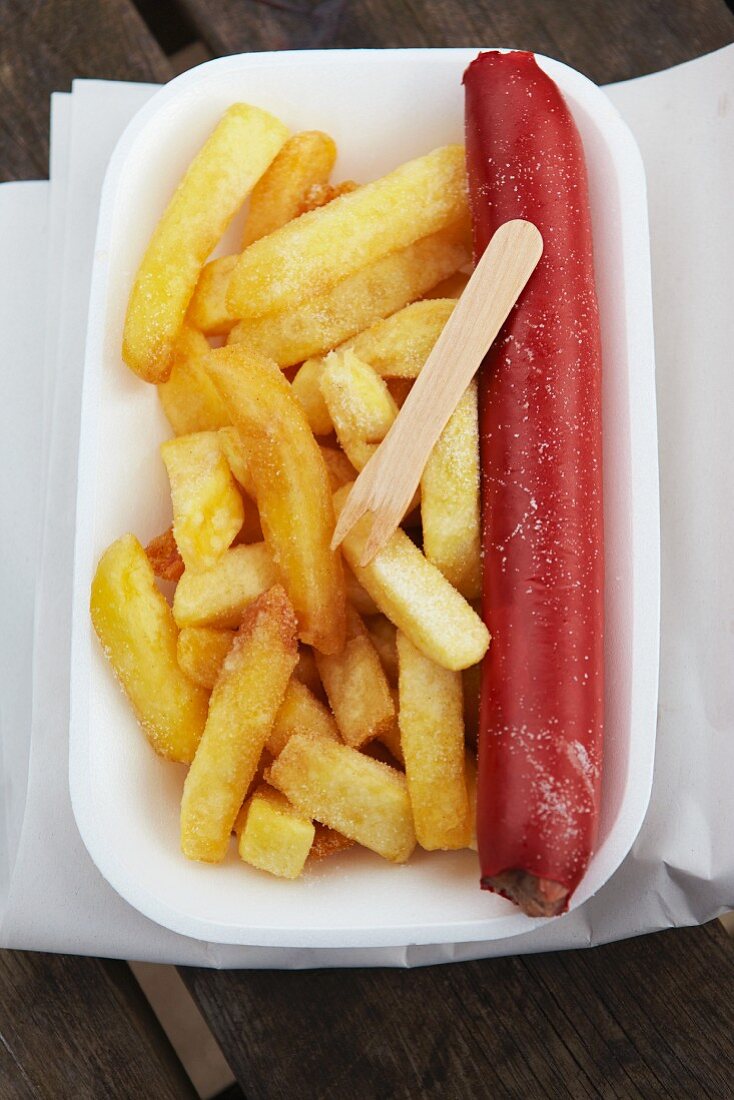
681,869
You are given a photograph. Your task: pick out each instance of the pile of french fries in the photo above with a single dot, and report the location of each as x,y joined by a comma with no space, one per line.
317,702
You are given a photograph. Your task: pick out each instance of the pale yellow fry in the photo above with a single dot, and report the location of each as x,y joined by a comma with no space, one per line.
358,400
220,596
356,686
235,453
450,499
300,712
291,489
306,389
432,739
272,835
313,252
208,309
361,798
216,183
242,710
201,651
207,506
189,397
306,159
374,291
338,466
416,596
135,626
399,346
452,287
383,632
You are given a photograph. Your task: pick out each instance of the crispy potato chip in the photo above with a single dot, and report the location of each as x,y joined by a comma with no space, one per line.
215,185
416,596
135,626
243,706
325,320
220,596
340,787
432,740
272,835
291,488
312,253
207,507
164,557
201,651
189,397
305,161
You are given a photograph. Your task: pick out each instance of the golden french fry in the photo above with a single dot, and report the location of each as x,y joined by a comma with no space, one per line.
291,489
306,388
322,322
358,400
399,346
201,651
452,287
135,626
327,842
272,835
300,712
216,183
207,507
382,633
235,453
358,597
340,787
432,739
399,389
305,161
208,310
189,397
307,672
164,557
416,596
220,596
242,709
313,252
321,193
450,499
391,738
339,467
356,686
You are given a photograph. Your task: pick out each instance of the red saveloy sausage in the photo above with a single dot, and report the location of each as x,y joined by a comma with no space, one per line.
541,713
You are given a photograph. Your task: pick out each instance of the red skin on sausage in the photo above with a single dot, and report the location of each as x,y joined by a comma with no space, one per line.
541,717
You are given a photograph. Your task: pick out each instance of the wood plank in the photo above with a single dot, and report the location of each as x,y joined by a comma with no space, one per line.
649,1017
43,47
81,1027
606,39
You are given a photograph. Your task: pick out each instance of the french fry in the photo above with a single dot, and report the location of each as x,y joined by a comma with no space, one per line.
382,633
399,389
242,709
340,787
450,499
220,596
327,319
306,388
189,397
201,651
399,346
300,712
358,400
312,253
432,740
321,193
208,310
471,787
306,160
327,842
356,686
338,466
135,626
272,835
207,507
164,557
216,183
291,484
358,597
416,596
235,453
307,672
452,287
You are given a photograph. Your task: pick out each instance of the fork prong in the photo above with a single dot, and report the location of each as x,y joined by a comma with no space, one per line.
354,508
385,519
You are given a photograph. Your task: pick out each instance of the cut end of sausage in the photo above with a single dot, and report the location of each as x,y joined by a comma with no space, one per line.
537,897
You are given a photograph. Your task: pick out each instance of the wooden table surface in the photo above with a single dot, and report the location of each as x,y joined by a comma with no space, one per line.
650,1017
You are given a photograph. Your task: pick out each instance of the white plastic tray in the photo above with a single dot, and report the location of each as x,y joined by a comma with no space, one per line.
382,107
